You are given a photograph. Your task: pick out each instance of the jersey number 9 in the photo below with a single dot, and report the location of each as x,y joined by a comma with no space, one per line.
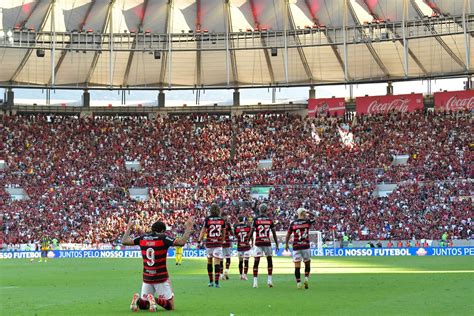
150,255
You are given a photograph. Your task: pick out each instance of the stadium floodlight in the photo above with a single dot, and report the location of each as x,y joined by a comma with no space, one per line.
9,33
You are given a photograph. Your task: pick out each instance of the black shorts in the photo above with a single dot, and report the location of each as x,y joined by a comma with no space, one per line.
44,253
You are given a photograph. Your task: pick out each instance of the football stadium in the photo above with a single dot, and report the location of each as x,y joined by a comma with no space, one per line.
236,157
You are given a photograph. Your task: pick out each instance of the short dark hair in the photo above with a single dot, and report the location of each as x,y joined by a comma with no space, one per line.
215,210
241,218
158,227
263,208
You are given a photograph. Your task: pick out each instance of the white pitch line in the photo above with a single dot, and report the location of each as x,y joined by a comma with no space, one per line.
388,271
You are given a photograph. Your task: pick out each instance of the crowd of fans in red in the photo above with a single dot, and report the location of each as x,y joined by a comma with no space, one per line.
73,170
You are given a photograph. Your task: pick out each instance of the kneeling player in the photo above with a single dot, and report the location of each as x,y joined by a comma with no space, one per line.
242,233
214,228
154,247
301,248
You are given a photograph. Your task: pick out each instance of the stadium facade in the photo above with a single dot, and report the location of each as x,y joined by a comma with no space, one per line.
207,44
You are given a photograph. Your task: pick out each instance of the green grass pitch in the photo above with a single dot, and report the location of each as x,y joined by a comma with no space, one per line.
338,286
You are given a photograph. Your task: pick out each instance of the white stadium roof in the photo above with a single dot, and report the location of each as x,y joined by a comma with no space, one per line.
231,43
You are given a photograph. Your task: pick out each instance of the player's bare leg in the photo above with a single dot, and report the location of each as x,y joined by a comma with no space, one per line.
298,274
255,271
166,304
209,272
217,271
241,268
246,268
134,304
270,271
307,269
222,269
227,266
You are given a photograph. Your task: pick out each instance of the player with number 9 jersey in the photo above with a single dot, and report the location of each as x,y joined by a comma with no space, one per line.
154,249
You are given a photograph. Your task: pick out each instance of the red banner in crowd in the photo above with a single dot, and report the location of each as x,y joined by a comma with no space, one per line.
454,100
333,106
387,103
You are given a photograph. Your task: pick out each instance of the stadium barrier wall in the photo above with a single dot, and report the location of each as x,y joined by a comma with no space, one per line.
199,253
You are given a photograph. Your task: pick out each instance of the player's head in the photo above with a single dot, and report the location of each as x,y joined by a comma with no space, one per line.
215,209
263,208
158,227
241,219
301,212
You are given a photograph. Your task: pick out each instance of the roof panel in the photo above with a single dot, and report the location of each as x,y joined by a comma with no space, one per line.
183,69
74,68
10,60
132,16
296,70
252,67
323,63
145,69
15,12
448,7
361,64
73,13
213,68
183,16
156,16
212,15
433,57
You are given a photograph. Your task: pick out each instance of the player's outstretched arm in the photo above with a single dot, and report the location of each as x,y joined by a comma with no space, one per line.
184,239
201,234
126,240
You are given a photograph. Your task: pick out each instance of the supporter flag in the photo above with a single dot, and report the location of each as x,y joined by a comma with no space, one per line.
314,134
331,106
347,138
388,103
454,100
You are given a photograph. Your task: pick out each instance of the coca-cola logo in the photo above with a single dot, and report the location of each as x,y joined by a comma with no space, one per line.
396,104
455,103
323,108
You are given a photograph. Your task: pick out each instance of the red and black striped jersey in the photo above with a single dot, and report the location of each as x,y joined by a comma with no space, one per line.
154,248
262,225
300,230
228,233
242,233
215,227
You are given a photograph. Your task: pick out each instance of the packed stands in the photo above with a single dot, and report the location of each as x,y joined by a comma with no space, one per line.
73,170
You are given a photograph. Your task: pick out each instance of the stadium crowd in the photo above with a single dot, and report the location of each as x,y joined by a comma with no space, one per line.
73,170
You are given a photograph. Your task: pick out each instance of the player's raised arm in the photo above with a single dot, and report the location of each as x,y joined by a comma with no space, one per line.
201,234
184,239
126,240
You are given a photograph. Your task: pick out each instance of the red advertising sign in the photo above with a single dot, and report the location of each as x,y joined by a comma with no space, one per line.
387,103
333,106
454,100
